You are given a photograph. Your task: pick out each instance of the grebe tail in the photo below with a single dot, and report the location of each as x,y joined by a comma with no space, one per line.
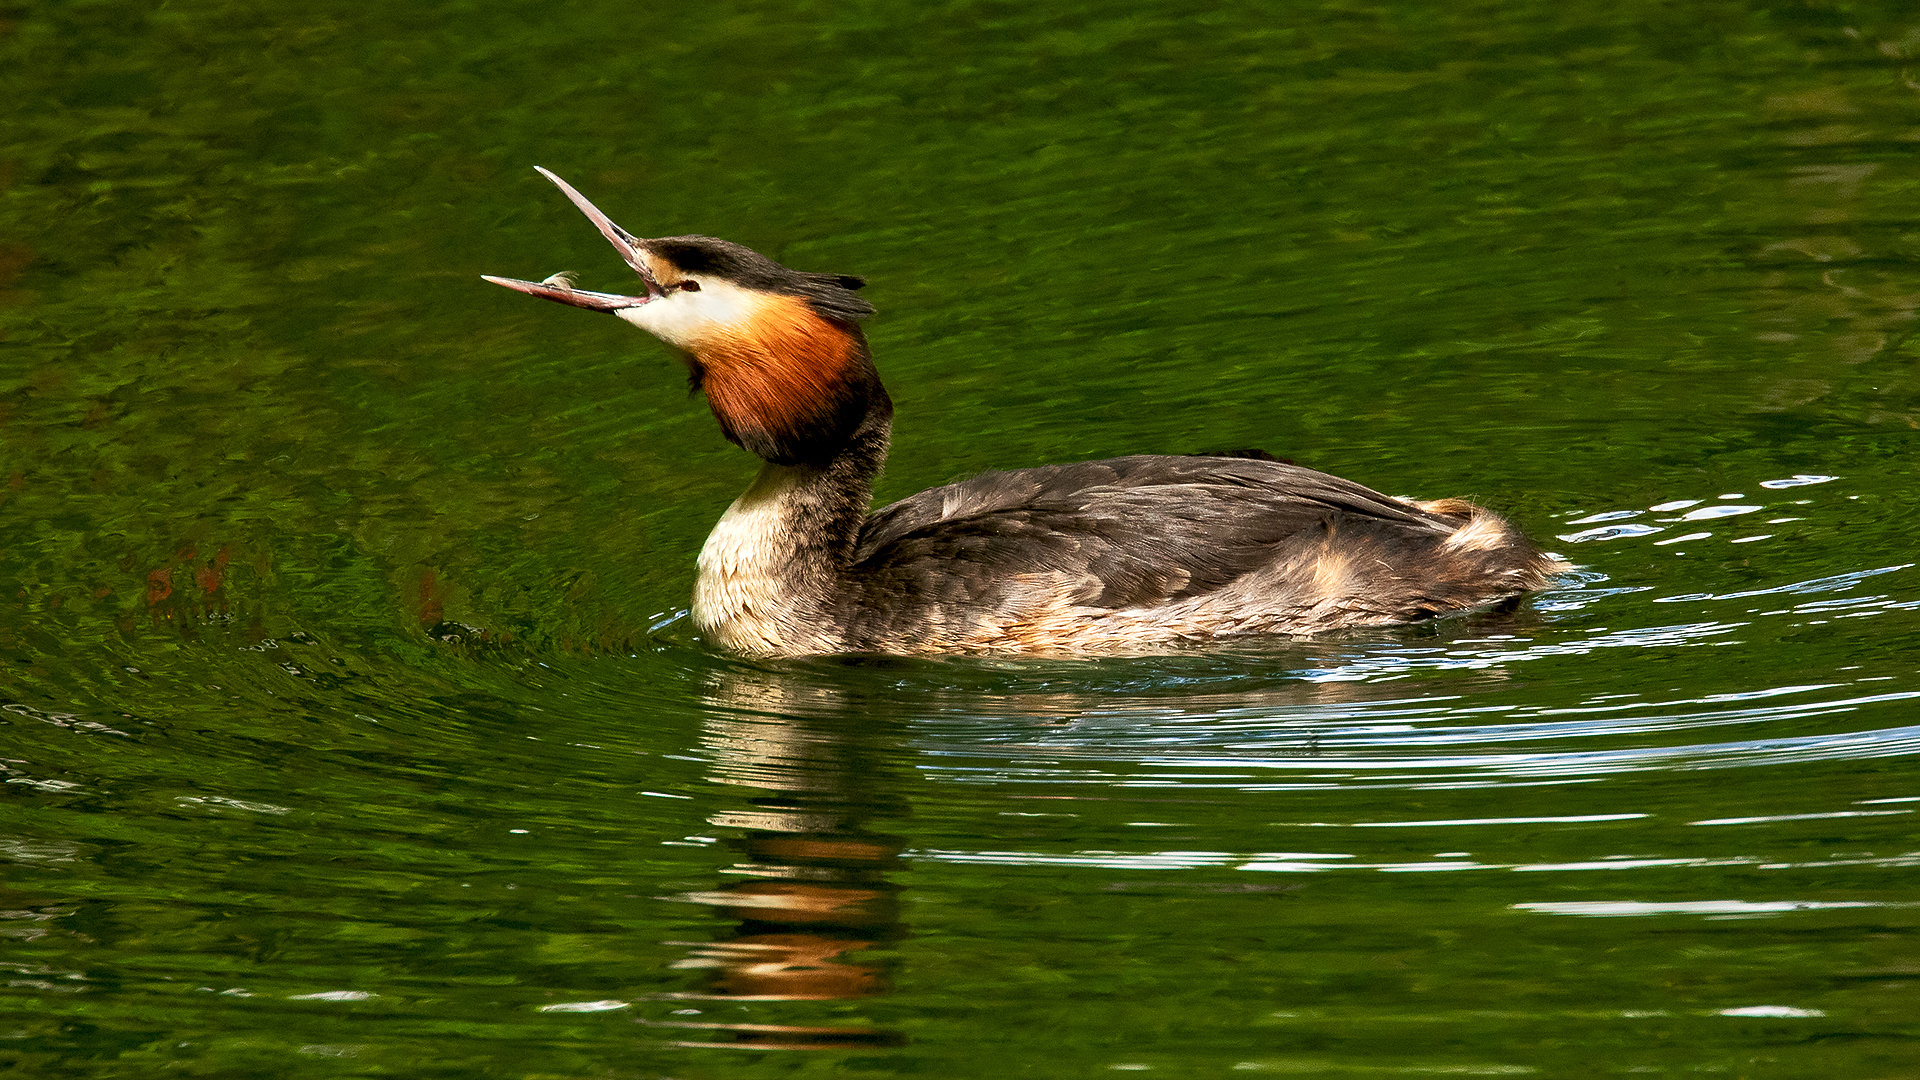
1126,554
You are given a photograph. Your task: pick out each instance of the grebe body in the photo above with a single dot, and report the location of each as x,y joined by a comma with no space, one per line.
1121,555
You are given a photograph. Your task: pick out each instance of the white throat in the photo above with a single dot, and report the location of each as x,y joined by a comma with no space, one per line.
686,320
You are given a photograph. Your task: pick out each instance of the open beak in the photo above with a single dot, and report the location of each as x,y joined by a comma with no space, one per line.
557,287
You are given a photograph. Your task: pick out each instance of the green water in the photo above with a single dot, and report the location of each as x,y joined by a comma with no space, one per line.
353,725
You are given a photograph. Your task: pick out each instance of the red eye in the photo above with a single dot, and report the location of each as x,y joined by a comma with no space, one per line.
690,285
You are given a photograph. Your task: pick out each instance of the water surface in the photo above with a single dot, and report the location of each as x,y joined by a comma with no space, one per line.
353,725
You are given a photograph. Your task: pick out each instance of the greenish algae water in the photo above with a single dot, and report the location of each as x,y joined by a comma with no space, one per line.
353,726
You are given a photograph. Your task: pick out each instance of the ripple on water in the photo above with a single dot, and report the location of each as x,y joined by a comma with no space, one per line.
1288,862
1364,755
1618,524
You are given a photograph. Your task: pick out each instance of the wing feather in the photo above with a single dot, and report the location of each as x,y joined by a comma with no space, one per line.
1125,532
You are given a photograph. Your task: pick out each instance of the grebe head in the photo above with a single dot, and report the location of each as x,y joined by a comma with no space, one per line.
777,351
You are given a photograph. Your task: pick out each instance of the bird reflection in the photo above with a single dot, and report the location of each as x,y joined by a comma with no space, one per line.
810,897
816,894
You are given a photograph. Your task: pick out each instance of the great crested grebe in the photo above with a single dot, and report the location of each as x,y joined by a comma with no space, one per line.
1116,555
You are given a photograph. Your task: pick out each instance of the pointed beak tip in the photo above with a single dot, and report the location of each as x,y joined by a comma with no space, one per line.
631,250
563,292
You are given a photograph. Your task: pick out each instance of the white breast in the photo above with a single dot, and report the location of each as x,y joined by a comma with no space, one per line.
747,597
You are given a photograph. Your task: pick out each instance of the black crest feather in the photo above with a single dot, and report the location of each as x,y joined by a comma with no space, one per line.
831,295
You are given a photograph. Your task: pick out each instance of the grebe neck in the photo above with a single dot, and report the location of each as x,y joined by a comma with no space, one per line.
772,569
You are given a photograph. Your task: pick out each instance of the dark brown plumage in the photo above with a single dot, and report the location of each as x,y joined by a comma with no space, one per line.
1141,549
1125,554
